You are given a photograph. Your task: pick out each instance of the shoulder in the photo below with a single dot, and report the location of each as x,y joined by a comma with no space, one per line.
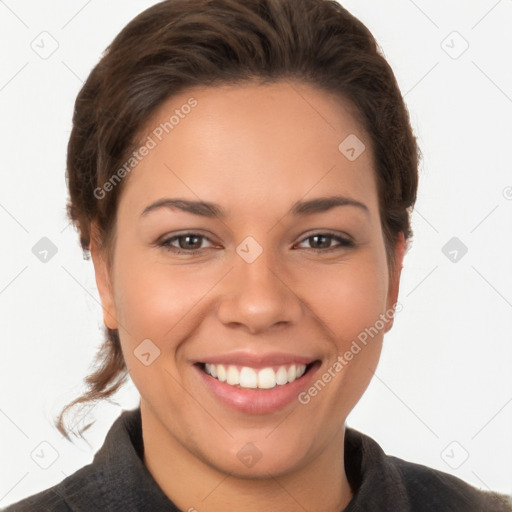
55,499
430,489
45,501
116,479
382,482
86,483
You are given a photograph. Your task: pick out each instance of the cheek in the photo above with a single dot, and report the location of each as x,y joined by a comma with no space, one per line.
349,297
154,300
349,301
161,303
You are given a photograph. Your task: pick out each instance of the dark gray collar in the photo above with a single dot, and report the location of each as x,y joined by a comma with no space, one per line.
117,479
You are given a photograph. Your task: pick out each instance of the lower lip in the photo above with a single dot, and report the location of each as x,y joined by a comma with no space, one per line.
258,401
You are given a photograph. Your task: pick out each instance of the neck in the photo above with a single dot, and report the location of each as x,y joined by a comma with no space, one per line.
194,485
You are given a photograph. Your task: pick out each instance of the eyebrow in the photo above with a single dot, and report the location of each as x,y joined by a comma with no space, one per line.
206,209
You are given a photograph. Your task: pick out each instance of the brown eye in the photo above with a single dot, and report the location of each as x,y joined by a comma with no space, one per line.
190,241
320,241
324,242
186,243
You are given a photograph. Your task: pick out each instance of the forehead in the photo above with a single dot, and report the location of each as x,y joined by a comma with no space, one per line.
246,143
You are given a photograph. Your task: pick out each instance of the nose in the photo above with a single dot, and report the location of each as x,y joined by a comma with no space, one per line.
257,297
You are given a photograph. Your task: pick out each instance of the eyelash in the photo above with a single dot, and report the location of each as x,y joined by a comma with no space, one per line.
343,243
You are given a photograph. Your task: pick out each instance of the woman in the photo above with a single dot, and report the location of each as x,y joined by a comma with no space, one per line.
242,174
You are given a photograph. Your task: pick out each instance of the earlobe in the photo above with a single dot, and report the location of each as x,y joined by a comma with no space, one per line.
103,279
394,281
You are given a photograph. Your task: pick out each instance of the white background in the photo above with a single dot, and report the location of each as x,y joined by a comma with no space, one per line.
443,388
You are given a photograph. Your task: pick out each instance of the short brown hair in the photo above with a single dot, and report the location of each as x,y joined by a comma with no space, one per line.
178,44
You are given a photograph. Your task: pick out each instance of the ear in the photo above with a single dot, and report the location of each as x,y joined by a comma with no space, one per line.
103,279
396,272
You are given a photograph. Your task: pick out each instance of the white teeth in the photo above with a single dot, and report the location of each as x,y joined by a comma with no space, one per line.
267,378
232,376
221,372
282,376
292,373
247,377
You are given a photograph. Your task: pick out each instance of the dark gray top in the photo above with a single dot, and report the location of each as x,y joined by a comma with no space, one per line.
117,480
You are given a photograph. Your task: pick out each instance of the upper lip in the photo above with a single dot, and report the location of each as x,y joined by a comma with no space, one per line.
256,360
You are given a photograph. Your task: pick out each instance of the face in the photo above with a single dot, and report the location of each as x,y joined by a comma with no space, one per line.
249,250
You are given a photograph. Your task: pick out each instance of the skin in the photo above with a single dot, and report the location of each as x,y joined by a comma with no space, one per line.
255,151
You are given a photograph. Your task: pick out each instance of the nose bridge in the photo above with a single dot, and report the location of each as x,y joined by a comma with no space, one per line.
257,296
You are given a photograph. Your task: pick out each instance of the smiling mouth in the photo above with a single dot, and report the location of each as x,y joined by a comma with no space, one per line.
256,378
